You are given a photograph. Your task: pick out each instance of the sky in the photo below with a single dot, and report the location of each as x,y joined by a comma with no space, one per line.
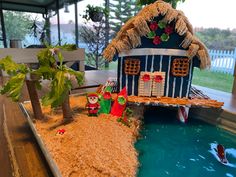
201,13
210,13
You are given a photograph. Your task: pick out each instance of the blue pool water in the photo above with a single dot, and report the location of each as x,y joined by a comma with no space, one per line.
168,148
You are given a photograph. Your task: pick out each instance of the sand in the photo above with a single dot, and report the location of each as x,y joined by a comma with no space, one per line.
91,146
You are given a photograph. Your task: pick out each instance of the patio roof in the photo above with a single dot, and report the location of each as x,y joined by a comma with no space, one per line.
37,6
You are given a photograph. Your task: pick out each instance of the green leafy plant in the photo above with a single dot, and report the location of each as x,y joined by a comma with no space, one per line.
125,119
120,12
95,13
58,74
18,73
163,28
17,24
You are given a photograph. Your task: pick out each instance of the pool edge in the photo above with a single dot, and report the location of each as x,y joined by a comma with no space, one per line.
219,117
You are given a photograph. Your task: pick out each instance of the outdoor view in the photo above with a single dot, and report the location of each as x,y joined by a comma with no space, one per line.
218,36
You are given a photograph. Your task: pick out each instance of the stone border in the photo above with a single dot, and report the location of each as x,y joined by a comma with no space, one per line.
52,165
219,117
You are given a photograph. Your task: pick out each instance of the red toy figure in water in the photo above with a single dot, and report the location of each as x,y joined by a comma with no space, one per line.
221,153
119,103
93,106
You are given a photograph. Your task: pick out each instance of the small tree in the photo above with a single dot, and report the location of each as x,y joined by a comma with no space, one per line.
120,12
58,74
215,38
17,24
94,37
39,30
60,78
93,33
18,74
172,2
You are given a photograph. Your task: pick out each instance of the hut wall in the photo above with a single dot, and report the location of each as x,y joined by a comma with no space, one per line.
174,86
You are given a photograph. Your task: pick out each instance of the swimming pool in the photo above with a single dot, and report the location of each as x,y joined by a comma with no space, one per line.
169,148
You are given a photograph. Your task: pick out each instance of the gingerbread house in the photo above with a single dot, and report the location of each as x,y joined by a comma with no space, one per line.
156,52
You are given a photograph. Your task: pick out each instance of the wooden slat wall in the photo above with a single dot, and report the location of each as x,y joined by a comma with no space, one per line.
159,64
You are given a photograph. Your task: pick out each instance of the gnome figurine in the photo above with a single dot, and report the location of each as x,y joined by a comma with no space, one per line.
120,103
105,101
93,106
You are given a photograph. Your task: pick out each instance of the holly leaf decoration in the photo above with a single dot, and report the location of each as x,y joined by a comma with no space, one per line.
161,24
151,35
121,100
165,37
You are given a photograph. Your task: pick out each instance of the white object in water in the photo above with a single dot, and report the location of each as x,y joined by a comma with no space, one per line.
229,152
183,113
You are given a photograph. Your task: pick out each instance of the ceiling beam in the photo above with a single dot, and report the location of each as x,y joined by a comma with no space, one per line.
22,7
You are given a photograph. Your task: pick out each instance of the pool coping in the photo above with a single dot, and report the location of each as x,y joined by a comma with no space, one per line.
220,117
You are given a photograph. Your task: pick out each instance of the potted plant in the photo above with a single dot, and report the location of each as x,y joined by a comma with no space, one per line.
95,13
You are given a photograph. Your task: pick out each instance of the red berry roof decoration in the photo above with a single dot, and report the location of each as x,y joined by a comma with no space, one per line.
164,37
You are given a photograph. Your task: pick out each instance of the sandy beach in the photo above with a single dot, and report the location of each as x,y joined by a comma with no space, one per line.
91,146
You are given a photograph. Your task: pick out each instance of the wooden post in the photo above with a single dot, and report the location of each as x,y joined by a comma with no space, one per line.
76,24
4,37
58,22
234,82
34,99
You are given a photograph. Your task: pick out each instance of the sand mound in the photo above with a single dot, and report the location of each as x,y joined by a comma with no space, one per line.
90,146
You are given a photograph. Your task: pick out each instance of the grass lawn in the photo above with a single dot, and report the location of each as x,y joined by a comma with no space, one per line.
214,80
205,78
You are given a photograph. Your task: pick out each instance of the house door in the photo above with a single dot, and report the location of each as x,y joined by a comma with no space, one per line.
158,84
145,84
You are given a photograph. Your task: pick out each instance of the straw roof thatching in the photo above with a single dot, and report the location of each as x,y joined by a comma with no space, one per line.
129,36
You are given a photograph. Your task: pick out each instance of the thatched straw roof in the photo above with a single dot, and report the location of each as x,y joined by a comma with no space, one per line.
129,36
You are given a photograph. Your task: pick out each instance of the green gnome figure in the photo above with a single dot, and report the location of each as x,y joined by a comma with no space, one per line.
105,101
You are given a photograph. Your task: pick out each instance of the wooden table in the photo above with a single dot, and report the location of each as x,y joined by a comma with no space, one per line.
27,153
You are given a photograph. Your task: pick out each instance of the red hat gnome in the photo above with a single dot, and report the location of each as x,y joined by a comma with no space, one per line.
119,103
93,106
